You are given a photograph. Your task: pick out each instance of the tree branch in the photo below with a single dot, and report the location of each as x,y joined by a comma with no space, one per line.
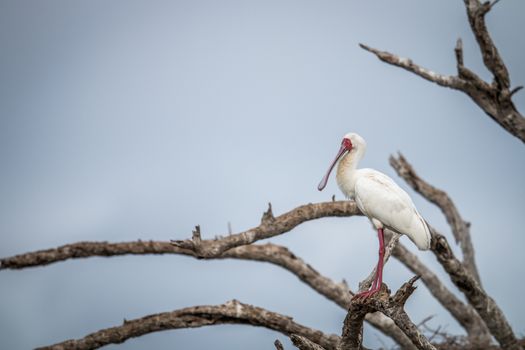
466,316
271,253
460,228
485,306
270,226
392,307
232,312
449,81
494,99
476,12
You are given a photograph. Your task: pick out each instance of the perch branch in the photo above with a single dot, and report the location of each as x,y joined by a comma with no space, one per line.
232,312
392,307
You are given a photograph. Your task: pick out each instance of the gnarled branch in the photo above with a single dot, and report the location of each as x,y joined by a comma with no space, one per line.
275,254
466,316
494,99
391,306
270,226
484,305
460,228
232,312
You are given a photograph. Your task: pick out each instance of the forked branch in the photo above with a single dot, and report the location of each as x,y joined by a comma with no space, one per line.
392,307
464,280
460,228
495,98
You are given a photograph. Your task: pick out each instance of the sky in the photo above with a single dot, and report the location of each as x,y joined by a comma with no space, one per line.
125,120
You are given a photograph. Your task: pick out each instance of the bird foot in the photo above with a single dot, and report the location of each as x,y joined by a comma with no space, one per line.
366,294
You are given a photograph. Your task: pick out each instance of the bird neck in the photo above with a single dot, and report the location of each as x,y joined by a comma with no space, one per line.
346,171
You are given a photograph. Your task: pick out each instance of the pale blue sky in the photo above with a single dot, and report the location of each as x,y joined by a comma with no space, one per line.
123,120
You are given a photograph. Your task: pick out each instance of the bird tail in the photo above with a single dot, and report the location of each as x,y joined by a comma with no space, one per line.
423,237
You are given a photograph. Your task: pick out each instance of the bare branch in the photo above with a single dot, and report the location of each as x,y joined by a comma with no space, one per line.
460,228
485,306
494,99
269,227
476,12
304,344
406,63
464,314
232,312
392,307
278,255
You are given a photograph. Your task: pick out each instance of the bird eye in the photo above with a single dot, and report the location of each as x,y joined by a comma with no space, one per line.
347,144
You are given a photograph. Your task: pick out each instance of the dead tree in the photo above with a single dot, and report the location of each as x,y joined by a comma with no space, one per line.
480,316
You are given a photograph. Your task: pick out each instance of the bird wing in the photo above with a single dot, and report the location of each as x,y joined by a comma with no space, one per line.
380,198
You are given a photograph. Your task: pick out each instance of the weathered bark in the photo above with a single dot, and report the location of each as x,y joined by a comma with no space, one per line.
495,99
464,313
270,226
303,343
460,228
484,305
271,253
232,312
390,306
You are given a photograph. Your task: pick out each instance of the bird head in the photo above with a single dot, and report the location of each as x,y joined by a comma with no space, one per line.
351,141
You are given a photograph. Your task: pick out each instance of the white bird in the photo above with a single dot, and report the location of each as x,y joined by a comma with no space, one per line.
379,198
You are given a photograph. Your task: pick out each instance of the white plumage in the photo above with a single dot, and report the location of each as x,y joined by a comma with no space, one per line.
378,197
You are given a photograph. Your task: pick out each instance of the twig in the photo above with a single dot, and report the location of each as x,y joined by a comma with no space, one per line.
278,345
232,312
304,344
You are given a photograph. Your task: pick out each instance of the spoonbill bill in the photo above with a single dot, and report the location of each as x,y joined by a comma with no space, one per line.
379,198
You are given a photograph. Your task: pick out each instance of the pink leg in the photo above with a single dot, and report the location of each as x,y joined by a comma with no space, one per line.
378,280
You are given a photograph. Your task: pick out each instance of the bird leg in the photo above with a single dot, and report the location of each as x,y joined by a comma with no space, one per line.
378,279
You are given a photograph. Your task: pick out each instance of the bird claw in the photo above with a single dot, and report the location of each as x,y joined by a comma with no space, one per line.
365,295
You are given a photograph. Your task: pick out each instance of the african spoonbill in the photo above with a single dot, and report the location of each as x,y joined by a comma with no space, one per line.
379,198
